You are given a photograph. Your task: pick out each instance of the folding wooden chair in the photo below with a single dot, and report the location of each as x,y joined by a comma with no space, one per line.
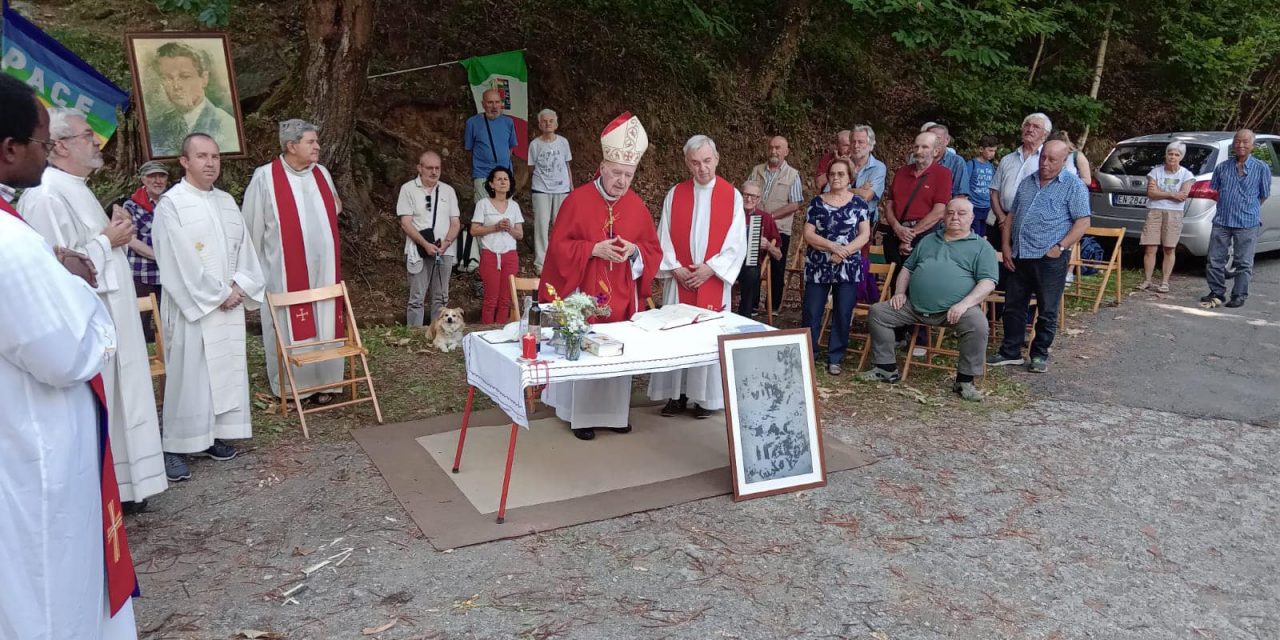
148,304
519,286
997,297
1097,290
883,273
932,349
765,271
349,348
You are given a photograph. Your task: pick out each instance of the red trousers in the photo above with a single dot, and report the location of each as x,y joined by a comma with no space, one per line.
495,273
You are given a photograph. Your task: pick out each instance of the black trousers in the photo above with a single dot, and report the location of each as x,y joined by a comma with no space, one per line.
1045,278
778,272
748,291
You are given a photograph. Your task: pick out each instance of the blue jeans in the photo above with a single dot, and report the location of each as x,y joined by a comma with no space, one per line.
1045,278
843,296
1244,242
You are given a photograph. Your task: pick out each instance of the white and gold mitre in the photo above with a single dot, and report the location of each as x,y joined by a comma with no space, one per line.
624,140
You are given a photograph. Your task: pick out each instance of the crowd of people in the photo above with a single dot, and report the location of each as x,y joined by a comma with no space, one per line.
74,354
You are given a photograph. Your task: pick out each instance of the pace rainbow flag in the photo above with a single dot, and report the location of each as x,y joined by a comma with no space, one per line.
507,73
58,76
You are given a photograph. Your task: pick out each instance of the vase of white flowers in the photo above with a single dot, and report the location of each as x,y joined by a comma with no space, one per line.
573,315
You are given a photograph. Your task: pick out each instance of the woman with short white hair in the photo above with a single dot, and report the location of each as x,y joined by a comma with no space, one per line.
1168,187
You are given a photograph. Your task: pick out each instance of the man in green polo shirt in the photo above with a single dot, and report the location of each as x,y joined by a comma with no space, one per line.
950,272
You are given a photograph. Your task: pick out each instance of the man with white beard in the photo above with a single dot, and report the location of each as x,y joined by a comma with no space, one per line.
704,242
66,213
209,272
291,210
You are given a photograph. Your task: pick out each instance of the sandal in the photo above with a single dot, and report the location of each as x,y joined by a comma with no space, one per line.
1162,288
322,399
1143,286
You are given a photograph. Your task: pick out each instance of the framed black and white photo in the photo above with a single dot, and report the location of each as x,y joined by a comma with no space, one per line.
771,407
184,83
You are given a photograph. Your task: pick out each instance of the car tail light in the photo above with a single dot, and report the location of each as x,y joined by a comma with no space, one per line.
1201,190
1094,186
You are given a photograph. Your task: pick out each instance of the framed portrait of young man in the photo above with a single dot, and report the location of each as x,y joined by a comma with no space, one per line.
184,83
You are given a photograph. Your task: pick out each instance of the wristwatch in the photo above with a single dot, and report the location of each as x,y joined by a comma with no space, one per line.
1060,247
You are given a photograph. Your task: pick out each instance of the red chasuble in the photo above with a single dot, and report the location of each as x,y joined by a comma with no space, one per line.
583,221
122,581
296,277
711,294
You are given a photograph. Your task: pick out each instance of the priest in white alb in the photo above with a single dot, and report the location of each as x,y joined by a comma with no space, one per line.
704,242
66,213
291,208
67,572
210,274
604,245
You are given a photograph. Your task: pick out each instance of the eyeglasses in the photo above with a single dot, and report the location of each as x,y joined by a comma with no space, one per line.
47,144
88,135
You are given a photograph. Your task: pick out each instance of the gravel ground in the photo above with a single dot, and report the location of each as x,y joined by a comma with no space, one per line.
1076,515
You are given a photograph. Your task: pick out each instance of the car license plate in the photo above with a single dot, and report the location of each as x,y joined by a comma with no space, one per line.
1130,201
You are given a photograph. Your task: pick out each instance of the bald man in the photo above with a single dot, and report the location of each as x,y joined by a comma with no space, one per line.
1050,213
782,197
490,137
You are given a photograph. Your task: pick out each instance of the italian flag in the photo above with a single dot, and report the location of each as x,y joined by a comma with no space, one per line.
507,73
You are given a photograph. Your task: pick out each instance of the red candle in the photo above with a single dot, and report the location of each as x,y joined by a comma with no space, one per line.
529,346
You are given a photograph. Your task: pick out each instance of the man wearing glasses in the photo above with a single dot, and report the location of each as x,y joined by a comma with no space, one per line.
428,212
67,214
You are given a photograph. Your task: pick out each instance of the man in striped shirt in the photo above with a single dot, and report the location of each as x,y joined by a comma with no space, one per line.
1243,184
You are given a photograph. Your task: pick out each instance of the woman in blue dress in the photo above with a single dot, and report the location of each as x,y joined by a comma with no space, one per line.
835,230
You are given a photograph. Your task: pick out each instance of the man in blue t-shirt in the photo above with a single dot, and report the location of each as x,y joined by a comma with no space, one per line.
490,136
981,171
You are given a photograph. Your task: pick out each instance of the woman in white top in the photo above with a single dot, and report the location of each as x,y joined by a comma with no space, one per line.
498,224
1168,187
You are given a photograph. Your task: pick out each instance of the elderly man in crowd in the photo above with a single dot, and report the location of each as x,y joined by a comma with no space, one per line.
549,157
841,147
704,241
1050,213
67,214
869,173
917,199
428,212
770,249
211,274
944,155
946,278
1243,183
59,515
141,207
1015,167
781,199
490,136
291,209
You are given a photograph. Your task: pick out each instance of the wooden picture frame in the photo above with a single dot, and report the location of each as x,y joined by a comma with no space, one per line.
184,82
770,386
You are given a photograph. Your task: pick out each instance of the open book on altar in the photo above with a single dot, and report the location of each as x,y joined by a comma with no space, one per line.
672,316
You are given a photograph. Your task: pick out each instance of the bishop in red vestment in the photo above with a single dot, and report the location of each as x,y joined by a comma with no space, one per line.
604,244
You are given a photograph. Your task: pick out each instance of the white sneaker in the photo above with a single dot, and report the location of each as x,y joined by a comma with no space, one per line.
918,352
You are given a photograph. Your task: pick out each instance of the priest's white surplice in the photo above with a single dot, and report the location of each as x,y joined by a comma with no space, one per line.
66,213
57,335
700,384
202,248
264,228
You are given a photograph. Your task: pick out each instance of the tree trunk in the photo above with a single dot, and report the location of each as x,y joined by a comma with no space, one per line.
776,69
1097,71
335,61
1035,64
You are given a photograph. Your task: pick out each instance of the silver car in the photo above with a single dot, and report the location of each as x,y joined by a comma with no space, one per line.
1118,193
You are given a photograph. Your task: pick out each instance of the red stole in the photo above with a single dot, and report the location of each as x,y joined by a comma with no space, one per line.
8,208
122,582
302,316
711,294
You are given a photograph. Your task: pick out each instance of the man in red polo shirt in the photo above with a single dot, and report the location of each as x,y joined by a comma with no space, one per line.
917,199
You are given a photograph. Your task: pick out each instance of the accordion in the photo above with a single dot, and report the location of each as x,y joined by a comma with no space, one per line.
753,242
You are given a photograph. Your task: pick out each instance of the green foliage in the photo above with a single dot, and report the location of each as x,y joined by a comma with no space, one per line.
209,13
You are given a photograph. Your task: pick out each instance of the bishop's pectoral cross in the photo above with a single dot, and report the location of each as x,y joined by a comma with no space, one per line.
608,227
300,312
116,518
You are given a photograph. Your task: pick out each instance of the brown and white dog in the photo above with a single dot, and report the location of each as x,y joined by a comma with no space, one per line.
446,331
